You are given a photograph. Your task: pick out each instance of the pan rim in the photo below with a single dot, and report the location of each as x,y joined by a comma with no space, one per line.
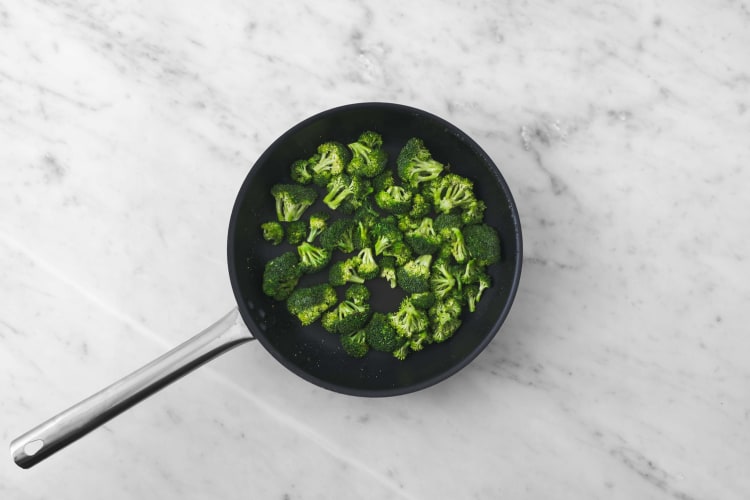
395,390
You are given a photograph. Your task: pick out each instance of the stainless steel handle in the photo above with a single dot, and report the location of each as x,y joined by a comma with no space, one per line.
77,421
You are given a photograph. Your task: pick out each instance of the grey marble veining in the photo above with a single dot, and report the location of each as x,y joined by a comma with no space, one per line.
621,372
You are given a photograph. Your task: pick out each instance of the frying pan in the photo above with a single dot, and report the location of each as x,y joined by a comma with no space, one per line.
311,352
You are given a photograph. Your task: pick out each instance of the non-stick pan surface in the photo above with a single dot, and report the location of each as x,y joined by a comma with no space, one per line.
313,353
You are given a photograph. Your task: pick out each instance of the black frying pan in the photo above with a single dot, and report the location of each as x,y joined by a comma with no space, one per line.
311,352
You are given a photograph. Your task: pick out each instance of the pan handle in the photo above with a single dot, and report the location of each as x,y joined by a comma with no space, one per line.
77,421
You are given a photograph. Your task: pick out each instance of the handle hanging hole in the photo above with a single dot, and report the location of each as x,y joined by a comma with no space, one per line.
33,447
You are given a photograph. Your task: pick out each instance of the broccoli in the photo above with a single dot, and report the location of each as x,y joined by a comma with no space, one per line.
388,269
409,320
423,239
418,341
420,206
445,330
415,163
347,317
340,188
482,243
442,280
444,319
407,223
339,235
281,275
413,276
423,300
473,212
357,293
309,303
318,222
366,214
368,157
329,162
361,235
395,200
452,192
355,344
312,258
367,267
457,245
444,224
474,291
273,232
471,272
296,232
292,200
301,171
400,251
383,181
380,333
401,352
386,233
344,271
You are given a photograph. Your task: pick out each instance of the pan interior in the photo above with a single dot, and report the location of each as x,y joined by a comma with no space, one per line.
313,353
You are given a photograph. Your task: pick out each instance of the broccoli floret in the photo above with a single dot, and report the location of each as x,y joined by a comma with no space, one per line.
413,277
367,267
368,157
292,200
458,245
418,341
273,232
443,331
473,213
296,232
281,275
361,236
409,320
357,293
366,214
415,163
482,243
355,344
388,269
339,235
407,223
471,272
420,206
423,238
401,352
344,271
400,251
474,291
312,258
423,300
309,303
383,181
380,333
330,161
442,280
385,232
452,191
444,224
395,200
340,188
444,318
347,317
318,223
301,172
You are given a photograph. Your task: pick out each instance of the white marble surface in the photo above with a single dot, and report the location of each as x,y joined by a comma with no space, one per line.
622,372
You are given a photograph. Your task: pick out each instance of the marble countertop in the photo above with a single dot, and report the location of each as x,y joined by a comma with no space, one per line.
126,129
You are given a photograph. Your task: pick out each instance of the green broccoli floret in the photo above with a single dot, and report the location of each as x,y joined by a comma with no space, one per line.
385,233
423,239
318,223
423,300
301,171
312,258
400,251
380,333
444,319
362,189
442,280
281,275
474,291
471,272
388,269
361,236
357,293
401,352
368,157
395,200
339,235
445,330
383,181
340,188
309,303
367,267
482,243
344,271
296,232
458,245
409,320
407,223
330,161
418,341
366,214
452,192
444,224
473,212
414,276
273,232
292,200
420,206
347,317
415,163
355,344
